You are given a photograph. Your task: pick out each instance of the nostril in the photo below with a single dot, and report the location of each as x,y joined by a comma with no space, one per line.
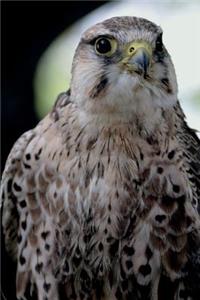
131,49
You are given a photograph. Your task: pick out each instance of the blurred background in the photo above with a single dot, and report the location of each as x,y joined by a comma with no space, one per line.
38,43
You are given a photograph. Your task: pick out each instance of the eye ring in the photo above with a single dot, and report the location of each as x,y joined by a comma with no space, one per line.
105,46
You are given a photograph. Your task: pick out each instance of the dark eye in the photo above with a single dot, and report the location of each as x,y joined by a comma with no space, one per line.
105,46
159,43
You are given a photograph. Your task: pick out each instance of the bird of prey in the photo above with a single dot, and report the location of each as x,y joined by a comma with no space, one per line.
101,199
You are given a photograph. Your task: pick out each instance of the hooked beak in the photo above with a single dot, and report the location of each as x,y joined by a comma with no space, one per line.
137,57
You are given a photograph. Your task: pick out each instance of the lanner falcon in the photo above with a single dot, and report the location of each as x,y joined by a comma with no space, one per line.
101,199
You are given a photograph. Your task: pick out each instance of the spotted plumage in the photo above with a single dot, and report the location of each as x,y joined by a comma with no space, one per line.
101,199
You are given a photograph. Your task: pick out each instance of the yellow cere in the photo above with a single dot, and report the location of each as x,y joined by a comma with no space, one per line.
132,48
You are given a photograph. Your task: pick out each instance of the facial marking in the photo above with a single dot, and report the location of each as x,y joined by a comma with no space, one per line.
166,85
99,87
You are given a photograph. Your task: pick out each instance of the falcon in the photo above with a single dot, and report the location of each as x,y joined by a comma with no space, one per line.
101,199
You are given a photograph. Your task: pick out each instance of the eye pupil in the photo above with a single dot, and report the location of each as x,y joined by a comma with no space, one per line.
159,43
103,46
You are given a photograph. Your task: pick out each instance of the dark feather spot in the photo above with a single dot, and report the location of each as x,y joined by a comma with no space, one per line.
37,157
167,201
66,267
145,269
100,247
129,250
39,151
150,140
47,247
67,232
17,187
129,264
171,154
76,261
22,260
78,252
160,218
176,188
114,248
141,156
28,156
26,166
46,287
38,251
109,239
23,224
13,198
53,157
45,234
38,267
19,238
148,253
101,268
160,170
22,203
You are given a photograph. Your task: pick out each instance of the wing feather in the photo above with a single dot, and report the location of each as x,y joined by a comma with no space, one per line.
191,150
17,164
27,178
10,217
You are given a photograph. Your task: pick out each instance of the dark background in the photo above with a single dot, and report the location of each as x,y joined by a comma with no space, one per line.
27,30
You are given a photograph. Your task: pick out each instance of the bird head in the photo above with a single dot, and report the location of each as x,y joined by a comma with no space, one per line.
122,67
